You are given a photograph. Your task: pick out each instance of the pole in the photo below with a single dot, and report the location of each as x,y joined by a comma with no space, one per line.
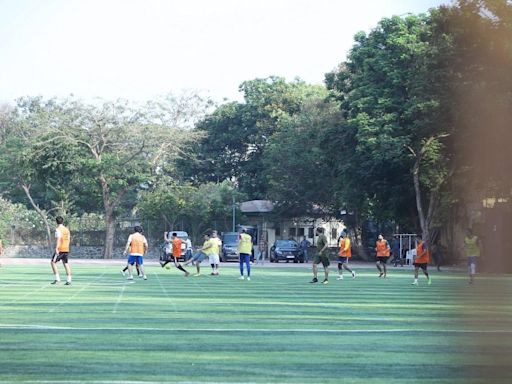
233,214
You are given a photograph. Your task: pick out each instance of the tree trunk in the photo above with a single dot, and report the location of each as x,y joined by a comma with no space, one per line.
42,214
110,222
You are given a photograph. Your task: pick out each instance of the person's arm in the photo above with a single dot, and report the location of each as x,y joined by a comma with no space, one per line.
58,235
146,246
127,245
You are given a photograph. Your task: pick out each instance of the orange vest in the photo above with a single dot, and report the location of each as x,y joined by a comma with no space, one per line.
64,239
137,244
176,247
382,248
345,249
422,256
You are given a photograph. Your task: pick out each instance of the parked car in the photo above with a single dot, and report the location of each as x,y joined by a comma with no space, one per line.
229,250
287,250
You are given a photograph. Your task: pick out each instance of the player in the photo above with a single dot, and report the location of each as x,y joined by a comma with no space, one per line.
383,250
176,254
244,253
321,257
215,253
472,249
421,260
344,255
136,248
63,237
201,254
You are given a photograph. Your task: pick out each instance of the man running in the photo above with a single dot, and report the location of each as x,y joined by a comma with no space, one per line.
63,237
176,254
321,257
382,248
421,260
136,248
344,255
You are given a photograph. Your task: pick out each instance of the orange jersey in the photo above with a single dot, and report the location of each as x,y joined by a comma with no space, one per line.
345,249
63,238
138,244
422,255
176,247
382,248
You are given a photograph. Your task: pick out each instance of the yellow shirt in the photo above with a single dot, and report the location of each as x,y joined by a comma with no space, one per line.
245,244
63,238
216,245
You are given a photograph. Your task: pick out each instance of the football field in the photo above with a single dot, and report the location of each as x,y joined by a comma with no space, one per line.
277,328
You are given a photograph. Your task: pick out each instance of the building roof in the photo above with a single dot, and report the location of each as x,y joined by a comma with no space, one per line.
256,206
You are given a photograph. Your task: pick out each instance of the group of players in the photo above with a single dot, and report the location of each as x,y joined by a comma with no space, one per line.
137,246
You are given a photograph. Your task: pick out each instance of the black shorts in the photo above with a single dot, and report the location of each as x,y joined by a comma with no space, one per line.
421,265
63,256
383,259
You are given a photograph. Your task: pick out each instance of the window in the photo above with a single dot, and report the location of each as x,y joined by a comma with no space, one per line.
311,233
292,231
334,235
300,232
278,231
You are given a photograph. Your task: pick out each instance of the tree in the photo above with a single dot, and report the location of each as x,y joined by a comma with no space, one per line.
235,135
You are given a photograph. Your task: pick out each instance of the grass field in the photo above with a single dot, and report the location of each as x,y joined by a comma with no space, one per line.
275,328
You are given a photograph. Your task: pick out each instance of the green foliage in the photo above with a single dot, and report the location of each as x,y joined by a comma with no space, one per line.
19,216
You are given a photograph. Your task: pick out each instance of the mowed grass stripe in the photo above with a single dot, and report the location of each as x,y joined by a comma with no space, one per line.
276,328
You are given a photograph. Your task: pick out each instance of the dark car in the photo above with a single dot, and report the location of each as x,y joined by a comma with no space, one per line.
230,247
287,250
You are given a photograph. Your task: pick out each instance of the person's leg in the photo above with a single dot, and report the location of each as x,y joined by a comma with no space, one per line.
178,265
347,268
241,265
379,268
130,268
425,272
340,270
416,269
315,272
326,273
384,268
56,277
471,269
68,272
248,266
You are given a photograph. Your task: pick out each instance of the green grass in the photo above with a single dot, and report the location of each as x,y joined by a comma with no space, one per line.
276,328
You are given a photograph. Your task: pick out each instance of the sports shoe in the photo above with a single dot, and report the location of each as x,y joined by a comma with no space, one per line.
122,273
241,278
129,277
429,280
325,281
248,278
340,277
141,276
68,283
381,274
353,275
187,274
196,274
145,277
414,283
315,280
55,282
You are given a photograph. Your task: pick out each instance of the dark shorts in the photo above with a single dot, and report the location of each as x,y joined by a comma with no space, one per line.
324,259
63,256
421,265
472,260
383,259
342,259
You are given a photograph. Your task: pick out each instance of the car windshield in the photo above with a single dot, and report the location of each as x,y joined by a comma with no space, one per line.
230,239
286,244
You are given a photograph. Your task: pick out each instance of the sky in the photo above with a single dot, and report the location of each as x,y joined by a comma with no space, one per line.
142,49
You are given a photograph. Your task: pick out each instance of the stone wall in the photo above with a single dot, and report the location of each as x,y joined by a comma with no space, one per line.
86,252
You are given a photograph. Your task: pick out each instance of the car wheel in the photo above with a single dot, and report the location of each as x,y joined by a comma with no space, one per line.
295,261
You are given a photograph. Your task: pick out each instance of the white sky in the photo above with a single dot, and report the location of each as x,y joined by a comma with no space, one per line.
138,49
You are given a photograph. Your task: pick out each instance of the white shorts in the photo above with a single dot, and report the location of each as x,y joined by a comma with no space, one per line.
214,259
